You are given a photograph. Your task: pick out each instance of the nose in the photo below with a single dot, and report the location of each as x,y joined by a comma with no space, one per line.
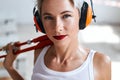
59,25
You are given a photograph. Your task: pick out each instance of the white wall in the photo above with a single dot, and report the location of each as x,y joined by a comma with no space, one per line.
107,14
21,10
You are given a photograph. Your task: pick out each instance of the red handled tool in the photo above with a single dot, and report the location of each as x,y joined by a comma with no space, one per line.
42,42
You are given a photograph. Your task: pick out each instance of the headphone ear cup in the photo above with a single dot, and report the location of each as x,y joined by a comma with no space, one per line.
86,16
38,22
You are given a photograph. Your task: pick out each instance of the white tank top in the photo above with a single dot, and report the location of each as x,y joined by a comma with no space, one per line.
42,72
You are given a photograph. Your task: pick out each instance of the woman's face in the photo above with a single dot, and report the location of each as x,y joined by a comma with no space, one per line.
60,20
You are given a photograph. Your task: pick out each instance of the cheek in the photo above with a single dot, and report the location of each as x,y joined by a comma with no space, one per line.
47,30
47,26
73,26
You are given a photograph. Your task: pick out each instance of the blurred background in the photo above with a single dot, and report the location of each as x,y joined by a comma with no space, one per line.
16,24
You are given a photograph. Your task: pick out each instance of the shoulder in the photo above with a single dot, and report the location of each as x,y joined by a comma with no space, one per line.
102,66
102,58
36,54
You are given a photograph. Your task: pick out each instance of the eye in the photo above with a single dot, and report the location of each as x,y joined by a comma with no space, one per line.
48,18
66,16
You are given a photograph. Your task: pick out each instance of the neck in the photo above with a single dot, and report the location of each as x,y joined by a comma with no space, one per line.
66,51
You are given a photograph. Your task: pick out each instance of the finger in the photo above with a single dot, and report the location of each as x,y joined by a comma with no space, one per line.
8,48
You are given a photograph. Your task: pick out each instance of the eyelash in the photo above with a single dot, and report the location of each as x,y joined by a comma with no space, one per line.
48,18
51,18
67,16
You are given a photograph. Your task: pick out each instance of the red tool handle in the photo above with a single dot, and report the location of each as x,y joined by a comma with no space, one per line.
38,39
43,41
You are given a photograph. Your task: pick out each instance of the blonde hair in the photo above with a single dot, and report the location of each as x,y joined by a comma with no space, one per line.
77,3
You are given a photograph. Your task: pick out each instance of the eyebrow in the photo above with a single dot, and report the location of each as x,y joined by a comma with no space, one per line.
66,12
60,13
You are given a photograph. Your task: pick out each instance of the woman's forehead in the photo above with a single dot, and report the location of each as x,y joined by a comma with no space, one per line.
57,5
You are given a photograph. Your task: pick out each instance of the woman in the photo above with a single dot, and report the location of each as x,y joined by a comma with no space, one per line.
66,59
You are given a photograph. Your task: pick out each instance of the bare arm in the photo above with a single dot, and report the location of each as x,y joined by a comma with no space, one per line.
14,74
8,64
9,60
102,67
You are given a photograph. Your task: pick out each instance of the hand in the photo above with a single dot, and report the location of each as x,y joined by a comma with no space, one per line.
10,58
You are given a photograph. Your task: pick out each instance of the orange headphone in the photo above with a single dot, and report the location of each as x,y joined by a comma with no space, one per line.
87,14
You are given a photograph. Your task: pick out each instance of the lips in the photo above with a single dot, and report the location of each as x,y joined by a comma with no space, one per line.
60,37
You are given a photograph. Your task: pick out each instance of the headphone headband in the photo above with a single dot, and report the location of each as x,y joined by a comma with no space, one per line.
93,16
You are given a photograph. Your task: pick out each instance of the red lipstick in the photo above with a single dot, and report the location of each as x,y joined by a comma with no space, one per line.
60,37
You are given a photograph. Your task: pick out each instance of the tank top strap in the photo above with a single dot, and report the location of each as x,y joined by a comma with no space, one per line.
91,69
42,53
